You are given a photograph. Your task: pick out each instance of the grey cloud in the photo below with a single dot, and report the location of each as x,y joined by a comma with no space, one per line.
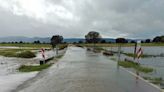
112,18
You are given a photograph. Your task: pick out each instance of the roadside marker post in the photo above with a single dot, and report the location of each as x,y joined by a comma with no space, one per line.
139,51
43,55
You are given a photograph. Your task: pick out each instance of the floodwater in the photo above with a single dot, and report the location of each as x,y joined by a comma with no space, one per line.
83,71
10,77
157,63
150,50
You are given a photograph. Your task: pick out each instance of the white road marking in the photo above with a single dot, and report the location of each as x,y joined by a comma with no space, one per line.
143,79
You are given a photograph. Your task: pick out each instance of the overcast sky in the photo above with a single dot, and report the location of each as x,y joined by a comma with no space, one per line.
75,18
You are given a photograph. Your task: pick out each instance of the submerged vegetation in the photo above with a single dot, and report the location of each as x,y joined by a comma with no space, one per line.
136,66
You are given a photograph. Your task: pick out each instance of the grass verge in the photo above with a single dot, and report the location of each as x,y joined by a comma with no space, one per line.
30,68
135,66
157,80
132,55
59,56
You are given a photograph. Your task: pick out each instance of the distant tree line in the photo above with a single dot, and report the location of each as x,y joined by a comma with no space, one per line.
159,39
95,37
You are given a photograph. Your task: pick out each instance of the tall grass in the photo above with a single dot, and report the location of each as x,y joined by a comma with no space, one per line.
132,55
135,66
156,80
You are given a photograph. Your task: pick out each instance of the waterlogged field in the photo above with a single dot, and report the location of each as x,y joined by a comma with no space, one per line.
12,56
156,61
153,50
9,65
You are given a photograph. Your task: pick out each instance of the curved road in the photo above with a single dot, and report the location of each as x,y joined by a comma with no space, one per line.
83,71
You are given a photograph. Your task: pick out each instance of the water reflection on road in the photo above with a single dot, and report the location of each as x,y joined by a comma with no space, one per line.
83,71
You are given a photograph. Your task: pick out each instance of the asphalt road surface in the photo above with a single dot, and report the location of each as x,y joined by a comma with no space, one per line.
84,71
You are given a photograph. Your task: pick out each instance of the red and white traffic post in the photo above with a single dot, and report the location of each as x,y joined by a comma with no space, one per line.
139,51
43,55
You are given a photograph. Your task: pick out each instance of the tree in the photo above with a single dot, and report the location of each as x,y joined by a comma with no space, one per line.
55,40
93,37
21,42
142,41
147,41
132,41
37,42
103,41
158,39
121,40
80,42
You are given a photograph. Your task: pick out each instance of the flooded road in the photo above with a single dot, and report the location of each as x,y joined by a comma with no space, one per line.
83,71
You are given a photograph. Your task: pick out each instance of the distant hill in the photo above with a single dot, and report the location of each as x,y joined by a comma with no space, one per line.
46,39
